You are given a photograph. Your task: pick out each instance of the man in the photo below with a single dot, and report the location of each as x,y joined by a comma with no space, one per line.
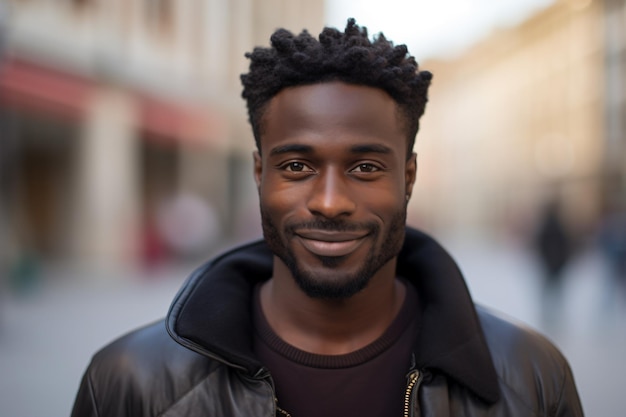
340,310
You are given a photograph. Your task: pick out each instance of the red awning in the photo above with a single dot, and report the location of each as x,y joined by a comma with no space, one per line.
36,88
43,90
169,121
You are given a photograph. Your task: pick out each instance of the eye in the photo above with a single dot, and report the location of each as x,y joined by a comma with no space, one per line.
366,168
296,167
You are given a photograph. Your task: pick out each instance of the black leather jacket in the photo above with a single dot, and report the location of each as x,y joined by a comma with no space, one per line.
467,361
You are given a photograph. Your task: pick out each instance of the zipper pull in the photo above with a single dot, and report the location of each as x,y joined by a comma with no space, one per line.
412,381
412,376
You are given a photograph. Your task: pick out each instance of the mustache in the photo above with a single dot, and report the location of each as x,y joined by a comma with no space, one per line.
330,225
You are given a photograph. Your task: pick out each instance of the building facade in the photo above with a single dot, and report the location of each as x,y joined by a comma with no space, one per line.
516,121
113,111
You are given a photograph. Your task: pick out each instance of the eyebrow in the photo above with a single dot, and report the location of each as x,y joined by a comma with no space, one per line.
291,148
377,148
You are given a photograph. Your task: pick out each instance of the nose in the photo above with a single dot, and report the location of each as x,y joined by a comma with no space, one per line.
331,196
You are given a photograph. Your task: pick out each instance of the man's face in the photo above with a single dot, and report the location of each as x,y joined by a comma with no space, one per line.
334,182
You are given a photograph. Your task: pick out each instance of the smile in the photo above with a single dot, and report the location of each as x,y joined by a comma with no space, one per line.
334,244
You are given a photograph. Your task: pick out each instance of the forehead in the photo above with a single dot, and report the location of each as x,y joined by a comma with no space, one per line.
332,110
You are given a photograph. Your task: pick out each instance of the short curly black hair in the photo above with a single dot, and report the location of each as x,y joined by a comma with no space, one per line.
349,57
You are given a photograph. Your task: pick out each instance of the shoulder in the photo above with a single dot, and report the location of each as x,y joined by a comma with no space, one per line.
149,347
530,368
512,342
143,369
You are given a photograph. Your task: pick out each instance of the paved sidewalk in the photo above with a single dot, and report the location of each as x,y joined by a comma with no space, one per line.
47,337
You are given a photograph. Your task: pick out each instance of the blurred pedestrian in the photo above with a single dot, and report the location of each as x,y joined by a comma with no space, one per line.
554,248
188,224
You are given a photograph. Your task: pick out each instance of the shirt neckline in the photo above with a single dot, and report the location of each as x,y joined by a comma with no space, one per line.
405,316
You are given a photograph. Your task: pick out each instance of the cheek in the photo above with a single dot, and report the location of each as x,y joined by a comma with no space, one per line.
384,200
279,199
388,211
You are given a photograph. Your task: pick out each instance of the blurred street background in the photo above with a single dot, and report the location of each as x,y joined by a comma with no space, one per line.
125,162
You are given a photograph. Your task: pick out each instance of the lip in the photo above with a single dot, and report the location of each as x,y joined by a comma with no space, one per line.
334,244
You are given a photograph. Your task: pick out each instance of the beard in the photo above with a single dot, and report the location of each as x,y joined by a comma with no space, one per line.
344,284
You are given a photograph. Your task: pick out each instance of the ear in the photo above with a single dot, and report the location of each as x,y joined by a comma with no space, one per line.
258,168
410,174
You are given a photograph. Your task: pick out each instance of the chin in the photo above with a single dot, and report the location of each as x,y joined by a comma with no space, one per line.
332,283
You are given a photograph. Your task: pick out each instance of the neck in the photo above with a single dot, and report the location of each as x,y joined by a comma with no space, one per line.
331,327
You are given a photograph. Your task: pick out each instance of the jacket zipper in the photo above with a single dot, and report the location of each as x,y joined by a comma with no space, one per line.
280,410
413,382
264,375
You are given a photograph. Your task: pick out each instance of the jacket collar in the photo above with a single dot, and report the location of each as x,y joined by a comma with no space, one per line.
211,314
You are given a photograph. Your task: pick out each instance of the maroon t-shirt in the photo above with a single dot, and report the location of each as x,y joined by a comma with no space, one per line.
368,382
